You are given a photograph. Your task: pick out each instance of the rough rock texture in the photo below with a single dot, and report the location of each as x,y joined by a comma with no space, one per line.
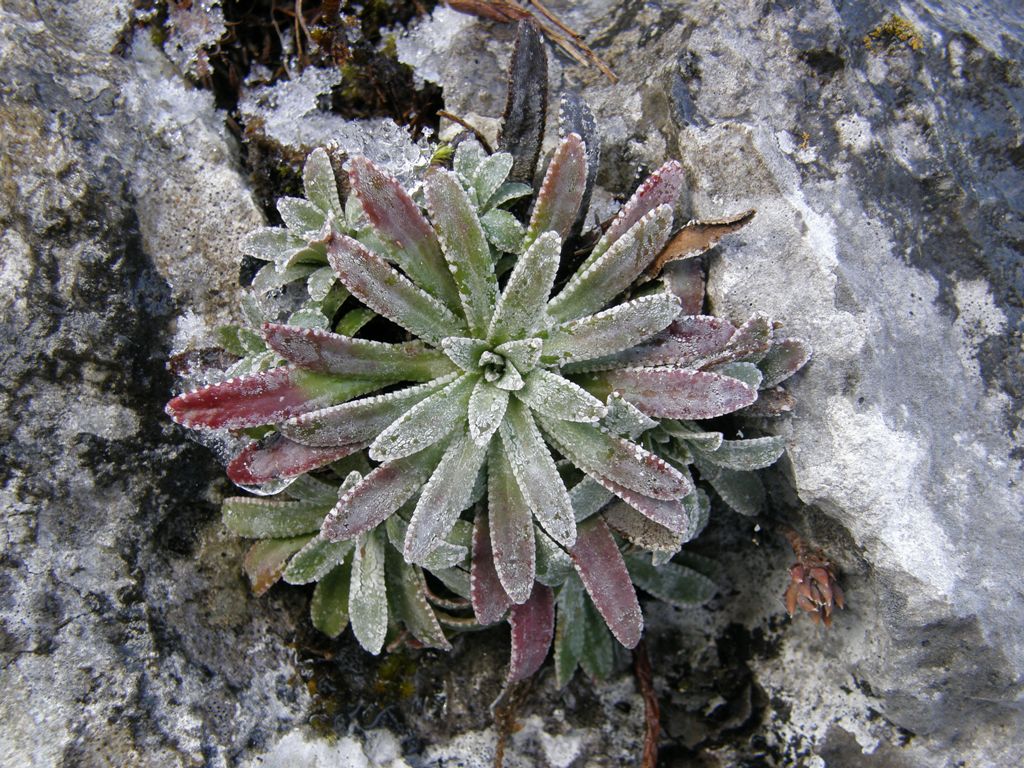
888,180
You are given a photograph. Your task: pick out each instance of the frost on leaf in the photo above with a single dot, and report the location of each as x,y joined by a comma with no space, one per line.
533,627
367,604
603,573
490,601
558,202
511,527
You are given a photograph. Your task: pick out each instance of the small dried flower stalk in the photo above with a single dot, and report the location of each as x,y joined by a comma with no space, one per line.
813,586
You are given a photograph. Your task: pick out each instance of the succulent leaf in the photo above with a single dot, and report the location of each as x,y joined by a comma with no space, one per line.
560,195
368,592
610,331
389,294
464,246
260,518
379,494
674,392
596,283
301,217
526,104
533,627
536,474
316,559
672,583
786,357
745,455
625,463
557,397
640,530
407,596
748,373
486,410
588,497
333,353
329,608
520,309
265,561
489,176
511,528
503,230
490,601
399,221
743,491
427,422
319,183
603,572
276,457
571,629
444,496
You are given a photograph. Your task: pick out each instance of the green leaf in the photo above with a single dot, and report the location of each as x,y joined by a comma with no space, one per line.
588,498
465,352
748,373
560,195
571,629
468,156
319,182
445,495
640,530
535,471
274,244
592,287
447,555
388,293
486,410
625,419
620,461
350,323
743,491
520,310
301,217
489,175
503,230
258,518
786,357
557,397
598,656
464,247
315,560
745,455
553,563
320,282
329,607
524,354
359,421
265,561
368,598
407,596
510,190
425,423
674,584
511,527
610,331
309,489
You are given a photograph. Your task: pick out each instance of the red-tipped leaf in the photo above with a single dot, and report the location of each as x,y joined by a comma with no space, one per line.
603,573
490,601
560,195
276,457
675,393
533,628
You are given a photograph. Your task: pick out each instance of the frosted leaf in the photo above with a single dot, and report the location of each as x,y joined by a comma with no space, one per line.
557,397
333,353
319,182
503,230
445,495
748,373
571,630
367,603
535,471
510,190
641,531
265,561
309,488
558,201
447,555
675,393
610,331
378,495
388,293
272,518
464,247
425,423
511,527
603,573
301,217
594,285
359,421
315,560
328,610
399,221
261,398
522,353
749,343
588,498
468,157
661,188
486,410
692,433
463,351
274,244
271,277
520,310
553,563
510,379
408,599
320,283
308,317
625,419
743,491
672,514
605,456
745,455
533,627
490,601
786,357
674,584
489,176
598,658
275,457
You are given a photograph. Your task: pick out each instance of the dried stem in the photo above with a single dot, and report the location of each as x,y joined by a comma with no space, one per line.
652,710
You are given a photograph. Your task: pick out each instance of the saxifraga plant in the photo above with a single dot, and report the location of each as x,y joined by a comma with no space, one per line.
528,448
